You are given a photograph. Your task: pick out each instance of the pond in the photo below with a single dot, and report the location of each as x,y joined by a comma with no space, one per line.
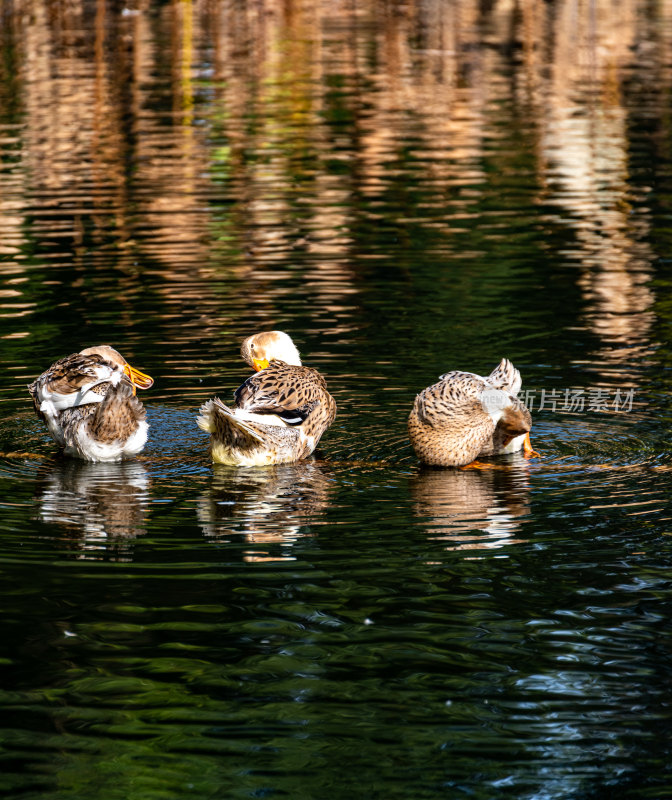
406,189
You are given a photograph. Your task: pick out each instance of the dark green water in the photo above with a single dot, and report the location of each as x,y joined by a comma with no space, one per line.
405,189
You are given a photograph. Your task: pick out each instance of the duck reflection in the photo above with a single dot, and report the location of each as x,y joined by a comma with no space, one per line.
103,504
272,507
458,504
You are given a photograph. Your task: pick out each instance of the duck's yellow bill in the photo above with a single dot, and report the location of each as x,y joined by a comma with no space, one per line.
259,363
138,378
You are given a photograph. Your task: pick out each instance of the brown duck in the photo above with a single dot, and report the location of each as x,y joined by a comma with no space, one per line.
280,413
88,402
465,416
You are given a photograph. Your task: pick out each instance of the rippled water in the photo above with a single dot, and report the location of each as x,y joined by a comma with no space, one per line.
406,189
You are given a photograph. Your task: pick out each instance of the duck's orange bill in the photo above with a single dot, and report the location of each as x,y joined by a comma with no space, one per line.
138,378
529,451
259,363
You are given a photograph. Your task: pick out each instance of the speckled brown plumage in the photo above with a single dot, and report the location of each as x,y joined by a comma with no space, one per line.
280,413
465,416
291,392
67,376
116,418
88,402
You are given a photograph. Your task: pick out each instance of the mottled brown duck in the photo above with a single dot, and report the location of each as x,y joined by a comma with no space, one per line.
465,416
279,413
89,405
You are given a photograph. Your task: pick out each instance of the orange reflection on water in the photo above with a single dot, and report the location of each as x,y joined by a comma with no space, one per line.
584,165
218,140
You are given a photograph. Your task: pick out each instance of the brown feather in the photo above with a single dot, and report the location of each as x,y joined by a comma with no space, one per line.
283,389
117,417
69,374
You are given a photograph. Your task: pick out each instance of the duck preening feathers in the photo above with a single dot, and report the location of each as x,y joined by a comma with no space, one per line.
279,413
89,405
465,416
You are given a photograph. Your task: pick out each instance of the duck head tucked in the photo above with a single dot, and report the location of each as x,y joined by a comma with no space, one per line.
465,416
113,356
259,350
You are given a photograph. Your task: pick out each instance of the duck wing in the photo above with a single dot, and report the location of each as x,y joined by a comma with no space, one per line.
244,438
286,391
72,381
455,395
216,418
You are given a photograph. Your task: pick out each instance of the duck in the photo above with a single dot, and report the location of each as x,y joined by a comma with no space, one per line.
466,416
279,413
89,404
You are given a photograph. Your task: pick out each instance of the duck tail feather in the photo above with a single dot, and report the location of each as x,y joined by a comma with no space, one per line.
214,413
505,376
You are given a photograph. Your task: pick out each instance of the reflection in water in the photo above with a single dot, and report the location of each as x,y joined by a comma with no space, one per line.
241,159
408,185
585,166
269,506
103,505
458,503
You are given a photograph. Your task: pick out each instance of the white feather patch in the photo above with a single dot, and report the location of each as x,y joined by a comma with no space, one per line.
88,447
514,445
494,402
263,419
83,397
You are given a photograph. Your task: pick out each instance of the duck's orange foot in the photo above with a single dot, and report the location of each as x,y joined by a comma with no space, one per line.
528,450
481,465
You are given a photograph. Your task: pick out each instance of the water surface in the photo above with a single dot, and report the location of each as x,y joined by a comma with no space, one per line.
405,189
